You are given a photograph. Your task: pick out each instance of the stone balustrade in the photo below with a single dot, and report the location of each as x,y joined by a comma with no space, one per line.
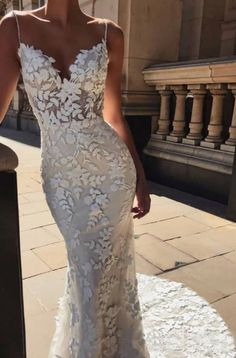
193,137
214,80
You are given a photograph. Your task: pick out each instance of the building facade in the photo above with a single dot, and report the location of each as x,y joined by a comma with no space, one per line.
178,88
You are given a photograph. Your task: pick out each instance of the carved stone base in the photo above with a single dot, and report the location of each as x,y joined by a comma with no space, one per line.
173,139
213,160
191,141
228,148
160,136
205,144
189,168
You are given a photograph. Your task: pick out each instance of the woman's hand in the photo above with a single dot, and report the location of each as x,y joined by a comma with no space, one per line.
143,199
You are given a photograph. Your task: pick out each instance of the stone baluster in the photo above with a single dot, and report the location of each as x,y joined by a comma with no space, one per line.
154,123
163,127
196,124
178,131
215,127
231,141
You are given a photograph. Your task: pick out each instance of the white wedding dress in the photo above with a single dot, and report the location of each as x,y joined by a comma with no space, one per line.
89,179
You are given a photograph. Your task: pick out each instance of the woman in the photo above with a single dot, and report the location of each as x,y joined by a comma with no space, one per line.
71,65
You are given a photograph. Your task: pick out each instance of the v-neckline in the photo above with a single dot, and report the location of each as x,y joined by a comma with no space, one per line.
51,59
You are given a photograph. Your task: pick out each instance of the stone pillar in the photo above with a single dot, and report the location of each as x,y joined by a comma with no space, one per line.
230,144
154,123
196,124
215,127
178,131
164,120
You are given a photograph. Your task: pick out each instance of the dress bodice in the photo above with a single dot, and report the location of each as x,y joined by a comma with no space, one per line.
55,100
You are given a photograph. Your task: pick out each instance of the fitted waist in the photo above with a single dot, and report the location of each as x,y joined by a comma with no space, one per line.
56,140
77,124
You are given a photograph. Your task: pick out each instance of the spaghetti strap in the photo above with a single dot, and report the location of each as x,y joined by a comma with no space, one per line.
18,27
105,30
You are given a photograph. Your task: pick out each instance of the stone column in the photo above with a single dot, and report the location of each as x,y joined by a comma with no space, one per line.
231,141
178,131
215,127
196,124
164,120
154,123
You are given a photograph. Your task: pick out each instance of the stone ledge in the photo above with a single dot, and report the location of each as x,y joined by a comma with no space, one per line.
212,70
205,158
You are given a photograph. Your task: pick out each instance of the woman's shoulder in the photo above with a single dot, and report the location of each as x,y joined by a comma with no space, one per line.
101,20
8,21
20,13
8,25
115,31
115,34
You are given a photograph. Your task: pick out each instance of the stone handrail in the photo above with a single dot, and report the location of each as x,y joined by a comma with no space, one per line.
213,70
196,79
8,158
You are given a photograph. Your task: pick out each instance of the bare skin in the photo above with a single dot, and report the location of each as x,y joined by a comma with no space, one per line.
63,24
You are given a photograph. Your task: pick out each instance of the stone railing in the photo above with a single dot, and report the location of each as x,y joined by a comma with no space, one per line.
193,135
197,80
197,110
12,329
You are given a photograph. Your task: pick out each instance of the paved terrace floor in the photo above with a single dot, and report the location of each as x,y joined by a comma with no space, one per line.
184,238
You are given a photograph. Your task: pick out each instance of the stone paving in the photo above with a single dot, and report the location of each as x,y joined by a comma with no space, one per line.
184,238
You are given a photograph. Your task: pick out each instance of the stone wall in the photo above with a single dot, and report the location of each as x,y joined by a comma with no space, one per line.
228,34
201,29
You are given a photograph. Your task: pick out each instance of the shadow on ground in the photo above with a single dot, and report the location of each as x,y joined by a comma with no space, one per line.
212,207
20,136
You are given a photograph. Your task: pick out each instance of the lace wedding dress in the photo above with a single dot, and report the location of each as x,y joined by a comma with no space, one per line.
89,178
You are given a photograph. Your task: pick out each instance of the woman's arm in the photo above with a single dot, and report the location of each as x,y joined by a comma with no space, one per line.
9,64
113,112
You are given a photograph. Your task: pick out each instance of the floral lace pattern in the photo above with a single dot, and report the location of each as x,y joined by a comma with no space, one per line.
89,180
56,101
178,323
